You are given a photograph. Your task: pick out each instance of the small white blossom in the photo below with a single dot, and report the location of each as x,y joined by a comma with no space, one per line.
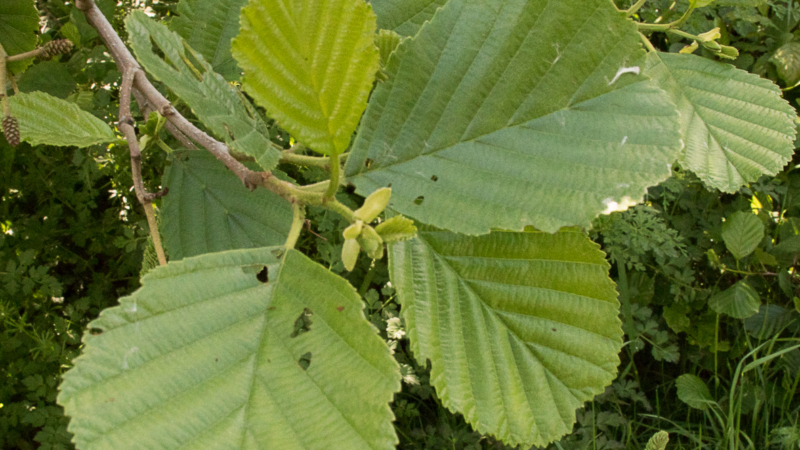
392,345
408,374
394,329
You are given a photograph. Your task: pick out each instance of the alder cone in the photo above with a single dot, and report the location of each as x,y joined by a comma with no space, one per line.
55,48
11,130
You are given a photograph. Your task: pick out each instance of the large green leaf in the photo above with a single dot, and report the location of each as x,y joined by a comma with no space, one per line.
209,210
218,105
520,328
739,301
693,391
51,77
208,27
240,349
42,121
19,22
405,17
735,124
311,64
742,231
512,113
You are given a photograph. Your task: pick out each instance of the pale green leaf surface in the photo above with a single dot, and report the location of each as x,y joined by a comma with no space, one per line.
735,125
507,114
787,62
405,17
208,27
387,41
520,328
742,231
310,64
41,121
693,391
218,105
739,301
202,357
19,22
209,210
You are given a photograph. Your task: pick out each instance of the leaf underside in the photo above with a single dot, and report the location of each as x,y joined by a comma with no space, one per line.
405,17
310,64
217,104
513,113
41,121
735,124
209,210
202,356
208,27
520,328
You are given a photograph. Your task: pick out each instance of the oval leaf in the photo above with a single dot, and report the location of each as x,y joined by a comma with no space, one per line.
742,231
208,27
513,113
735,124
19,22
217,104
310,64
693,391
209,210
41,121
234,350
520,328
739,301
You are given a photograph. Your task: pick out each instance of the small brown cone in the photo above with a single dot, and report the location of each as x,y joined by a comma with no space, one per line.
57,47
11,129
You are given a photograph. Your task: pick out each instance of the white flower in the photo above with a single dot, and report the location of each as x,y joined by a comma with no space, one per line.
392,345
394,329
408,374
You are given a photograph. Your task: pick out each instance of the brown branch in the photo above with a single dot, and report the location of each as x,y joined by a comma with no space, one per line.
126,126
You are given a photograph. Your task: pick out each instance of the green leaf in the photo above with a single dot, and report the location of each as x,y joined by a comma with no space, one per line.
19,22
310,65
659,441
694,392
397,228
51,77
513,113
405,17
202,356
742,232
770,320
739,301
735,125
208,27
209,210
787,62
216,103
387,41
41,121
520,328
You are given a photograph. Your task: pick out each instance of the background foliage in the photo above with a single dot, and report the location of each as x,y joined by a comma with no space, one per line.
704,277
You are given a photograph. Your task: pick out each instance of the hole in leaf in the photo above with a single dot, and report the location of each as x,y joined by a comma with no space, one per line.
95,331
367,162
303,323
389,185
305,361
434,178
263,276
419,200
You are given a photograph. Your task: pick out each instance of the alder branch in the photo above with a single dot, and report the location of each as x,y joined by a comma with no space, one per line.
152,98
126,126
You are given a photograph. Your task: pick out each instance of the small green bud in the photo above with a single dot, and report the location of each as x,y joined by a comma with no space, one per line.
729,52
350,254
374,205
713,46
371,242
398,228
353,230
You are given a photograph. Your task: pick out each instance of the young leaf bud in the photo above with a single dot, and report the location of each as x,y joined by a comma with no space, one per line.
353,230
374,205
350,254
371,242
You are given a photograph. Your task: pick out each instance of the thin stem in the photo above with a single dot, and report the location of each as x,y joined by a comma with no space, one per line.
298,220
647,43
334,168
13,81
288,156
3,59
151,222
26,55
666,26
635,8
